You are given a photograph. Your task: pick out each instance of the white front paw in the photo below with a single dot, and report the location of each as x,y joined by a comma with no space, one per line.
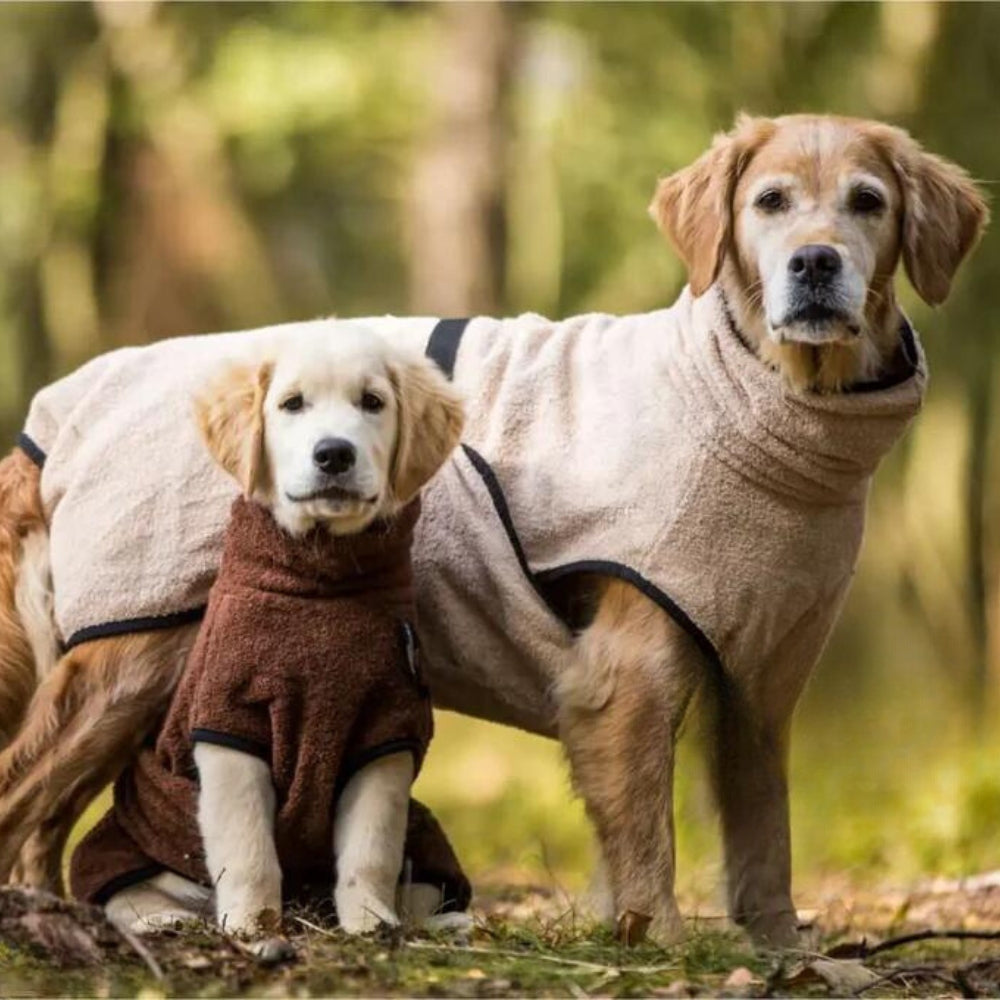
248,922
361,911
450,923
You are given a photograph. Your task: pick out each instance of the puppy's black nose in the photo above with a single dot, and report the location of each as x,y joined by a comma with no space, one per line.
815,264
334,455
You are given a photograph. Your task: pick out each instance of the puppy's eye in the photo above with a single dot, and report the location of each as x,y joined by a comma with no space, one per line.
866,201
293,403
771,200
371,402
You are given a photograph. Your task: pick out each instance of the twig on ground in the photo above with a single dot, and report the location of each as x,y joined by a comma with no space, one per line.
143,952
614,970
574,963
314,927
957,935
922,971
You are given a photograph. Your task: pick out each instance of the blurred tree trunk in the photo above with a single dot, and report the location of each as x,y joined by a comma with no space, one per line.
456,201
966,61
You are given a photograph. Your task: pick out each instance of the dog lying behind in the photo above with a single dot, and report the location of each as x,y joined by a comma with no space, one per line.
285,762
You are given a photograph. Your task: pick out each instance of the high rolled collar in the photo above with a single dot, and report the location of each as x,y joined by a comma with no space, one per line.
818,447
261,555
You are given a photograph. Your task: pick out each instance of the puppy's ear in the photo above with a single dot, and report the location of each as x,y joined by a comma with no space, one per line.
943,215
230,414
694,207
430,419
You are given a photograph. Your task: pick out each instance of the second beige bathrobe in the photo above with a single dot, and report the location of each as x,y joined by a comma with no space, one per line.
654,447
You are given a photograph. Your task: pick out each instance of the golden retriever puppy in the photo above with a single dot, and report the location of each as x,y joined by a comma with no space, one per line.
288,753
642,506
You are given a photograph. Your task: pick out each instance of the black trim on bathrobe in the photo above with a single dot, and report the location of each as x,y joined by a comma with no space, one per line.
607,567
31,449
442,347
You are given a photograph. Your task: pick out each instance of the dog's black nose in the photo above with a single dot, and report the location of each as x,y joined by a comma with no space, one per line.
334,455
815,264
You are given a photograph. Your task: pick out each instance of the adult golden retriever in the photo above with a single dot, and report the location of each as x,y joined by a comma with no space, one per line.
791,230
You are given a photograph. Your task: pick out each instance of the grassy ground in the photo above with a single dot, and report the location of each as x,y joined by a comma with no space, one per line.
523,944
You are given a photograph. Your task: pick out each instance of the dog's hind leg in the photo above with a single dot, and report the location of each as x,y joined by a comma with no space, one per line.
83,725
158,903
621,705
40,861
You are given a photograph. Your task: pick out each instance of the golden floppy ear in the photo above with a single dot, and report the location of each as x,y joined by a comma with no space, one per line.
230,414
694,206
430,418
943,215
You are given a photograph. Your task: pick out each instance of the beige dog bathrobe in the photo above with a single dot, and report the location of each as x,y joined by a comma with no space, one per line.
656,447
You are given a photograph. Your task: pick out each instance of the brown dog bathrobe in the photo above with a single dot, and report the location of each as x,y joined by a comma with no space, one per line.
306,659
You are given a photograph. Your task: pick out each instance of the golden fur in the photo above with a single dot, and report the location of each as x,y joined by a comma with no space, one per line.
430,425
20,517
621,705
231,420
933,218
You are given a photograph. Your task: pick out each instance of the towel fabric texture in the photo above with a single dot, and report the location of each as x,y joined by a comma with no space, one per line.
657,448
307,659
654,447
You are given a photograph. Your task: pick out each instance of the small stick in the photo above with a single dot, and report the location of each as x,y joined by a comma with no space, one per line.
926,971
614,970
314,927
143,952
644,970
905,939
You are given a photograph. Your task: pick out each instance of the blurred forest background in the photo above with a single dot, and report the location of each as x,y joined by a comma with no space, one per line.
176,168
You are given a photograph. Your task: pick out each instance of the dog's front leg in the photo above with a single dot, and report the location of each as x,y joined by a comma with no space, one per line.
749,759
621,704
236,805
369,840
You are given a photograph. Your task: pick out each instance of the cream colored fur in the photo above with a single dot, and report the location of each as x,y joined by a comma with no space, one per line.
33,600
369,837
236,818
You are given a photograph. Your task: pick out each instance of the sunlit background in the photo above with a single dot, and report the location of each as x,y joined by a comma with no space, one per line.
176,168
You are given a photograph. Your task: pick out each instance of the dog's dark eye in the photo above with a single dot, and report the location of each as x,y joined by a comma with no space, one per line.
292,403
372,403
866,201
771,200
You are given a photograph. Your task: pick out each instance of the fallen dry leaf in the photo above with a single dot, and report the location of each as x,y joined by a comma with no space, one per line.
740,978
841,976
